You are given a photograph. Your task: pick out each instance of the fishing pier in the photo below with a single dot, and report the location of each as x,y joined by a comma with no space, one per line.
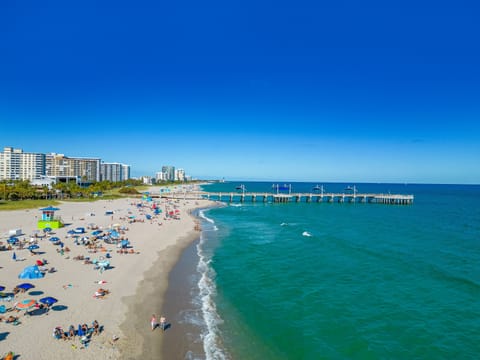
393,199
257,197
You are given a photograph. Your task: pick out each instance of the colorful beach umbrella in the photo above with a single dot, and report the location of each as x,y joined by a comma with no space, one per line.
26,304
26,286
48,300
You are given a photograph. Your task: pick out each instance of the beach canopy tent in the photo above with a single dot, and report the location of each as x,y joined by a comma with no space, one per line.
25,286
31,272
48,300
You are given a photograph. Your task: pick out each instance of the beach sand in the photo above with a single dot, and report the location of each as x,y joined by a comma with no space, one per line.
137,282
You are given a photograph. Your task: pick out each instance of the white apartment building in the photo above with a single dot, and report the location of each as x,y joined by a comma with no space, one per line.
114,172
18,165
179,175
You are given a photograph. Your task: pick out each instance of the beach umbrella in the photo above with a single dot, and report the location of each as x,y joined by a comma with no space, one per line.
96,232
54,238
47,229
25,286
2,288
12,240
71,232
33,247
48,300
26,304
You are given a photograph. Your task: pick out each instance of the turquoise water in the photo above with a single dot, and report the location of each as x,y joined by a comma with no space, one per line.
371,282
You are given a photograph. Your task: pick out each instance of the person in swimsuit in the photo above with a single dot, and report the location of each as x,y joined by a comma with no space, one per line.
153,322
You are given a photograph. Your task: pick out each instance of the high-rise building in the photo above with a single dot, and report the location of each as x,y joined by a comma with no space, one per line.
61,166
114,172
18,165
111,172
160,176
125,172
169,172
180,175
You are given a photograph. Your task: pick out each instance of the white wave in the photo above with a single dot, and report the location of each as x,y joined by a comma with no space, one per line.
201,214
211,334
283,224
306,233
236,205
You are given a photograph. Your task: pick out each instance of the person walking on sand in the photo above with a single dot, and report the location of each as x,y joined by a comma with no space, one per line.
163,323
153,322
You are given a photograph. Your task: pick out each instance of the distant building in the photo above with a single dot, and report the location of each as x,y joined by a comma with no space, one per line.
61,166
179,175
125,172
147,180
160,176
169,172
18,165
114,172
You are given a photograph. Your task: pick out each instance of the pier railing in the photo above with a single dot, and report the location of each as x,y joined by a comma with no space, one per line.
375,198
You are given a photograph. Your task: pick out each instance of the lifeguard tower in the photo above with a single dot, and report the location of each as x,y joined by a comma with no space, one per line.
48,219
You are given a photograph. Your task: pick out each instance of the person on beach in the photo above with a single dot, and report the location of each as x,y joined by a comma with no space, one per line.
163,323
153,322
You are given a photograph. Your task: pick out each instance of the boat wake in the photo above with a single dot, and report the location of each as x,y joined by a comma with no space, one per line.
306,233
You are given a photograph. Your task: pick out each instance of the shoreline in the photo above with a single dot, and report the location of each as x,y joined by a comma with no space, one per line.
150,298
158,244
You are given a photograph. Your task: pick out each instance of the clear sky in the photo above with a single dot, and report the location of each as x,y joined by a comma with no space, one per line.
373,91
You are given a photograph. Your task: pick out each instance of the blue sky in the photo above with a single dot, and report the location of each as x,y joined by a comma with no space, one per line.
265,90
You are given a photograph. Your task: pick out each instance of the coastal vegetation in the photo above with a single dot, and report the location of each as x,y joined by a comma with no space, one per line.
21,194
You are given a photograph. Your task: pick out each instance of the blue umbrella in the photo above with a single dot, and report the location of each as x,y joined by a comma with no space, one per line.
12,240
71,232
54,238
33,247
47,229
2,288
26,286
48,300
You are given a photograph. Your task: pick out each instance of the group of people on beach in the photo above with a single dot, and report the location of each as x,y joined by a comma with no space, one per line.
155,323
84,332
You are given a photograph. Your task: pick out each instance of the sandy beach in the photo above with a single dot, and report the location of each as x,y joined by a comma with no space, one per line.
136,281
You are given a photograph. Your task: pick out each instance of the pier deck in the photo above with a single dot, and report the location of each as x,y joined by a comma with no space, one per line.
393,199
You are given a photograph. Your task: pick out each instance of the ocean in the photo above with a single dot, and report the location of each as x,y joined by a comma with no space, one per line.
340,280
